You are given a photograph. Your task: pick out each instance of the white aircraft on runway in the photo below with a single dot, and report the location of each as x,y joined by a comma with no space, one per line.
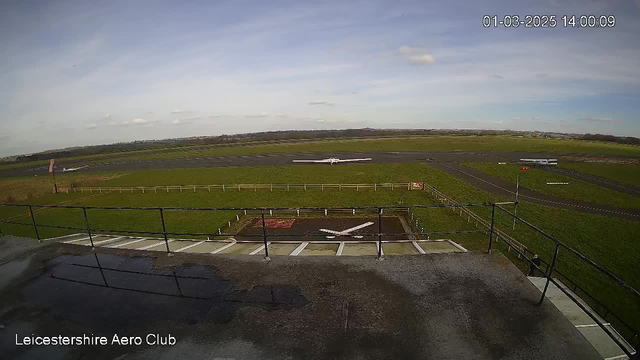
74,169
330,160
347,231
540,161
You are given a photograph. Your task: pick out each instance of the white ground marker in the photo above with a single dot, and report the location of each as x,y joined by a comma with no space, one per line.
76,240
420,250
299,249
458,246
189,246
258,249
162,242
222,248
340,248
108,240
126,243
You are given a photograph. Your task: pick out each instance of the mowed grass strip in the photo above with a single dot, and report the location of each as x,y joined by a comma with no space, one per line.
624,173
537,179
407,143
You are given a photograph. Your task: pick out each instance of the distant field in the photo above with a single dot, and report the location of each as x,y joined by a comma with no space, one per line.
411,143
536,179
625,173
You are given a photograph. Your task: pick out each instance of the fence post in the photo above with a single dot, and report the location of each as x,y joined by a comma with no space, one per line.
375,187
287,187
264,236
379,232
194,188
549,273
305,187
86,223
33,220
493,215
271,187
391,186
164,231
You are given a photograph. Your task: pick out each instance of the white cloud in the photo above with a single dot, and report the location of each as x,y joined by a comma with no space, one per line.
516,118
597,119
91,126
496,76
422,59
257,115
408,50
178,122
140,121
497,122
321,103
180,111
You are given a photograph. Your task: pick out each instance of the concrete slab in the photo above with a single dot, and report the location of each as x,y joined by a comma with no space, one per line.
430,247
279,249
320,250
601,341
96,239
241,248
359,249
399,249
141,244
207,247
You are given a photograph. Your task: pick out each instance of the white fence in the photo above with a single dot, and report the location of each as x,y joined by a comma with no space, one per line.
245,187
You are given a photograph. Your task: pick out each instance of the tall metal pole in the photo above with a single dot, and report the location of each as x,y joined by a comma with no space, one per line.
515,207
33,220
379,233
55,186
264,235
86,223
549,273
493,216
164,231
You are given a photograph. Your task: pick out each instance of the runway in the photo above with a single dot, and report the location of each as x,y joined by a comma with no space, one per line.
279,159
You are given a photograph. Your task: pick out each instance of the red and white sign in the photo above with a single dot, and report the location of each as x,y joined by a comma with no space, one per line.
51,163
524,168
417,186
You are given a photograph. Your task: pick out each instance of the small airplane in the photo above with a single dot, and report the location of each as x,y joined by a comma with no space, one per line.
331,160
74,169
347,231
540,161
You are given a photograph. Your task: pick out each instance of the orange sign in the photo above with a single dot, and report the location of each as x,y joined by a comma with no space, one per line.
51,163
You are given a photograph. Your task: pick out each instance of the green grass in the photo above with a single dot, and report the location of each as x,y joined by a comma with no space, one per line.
409,143
536,179
608,241
625,173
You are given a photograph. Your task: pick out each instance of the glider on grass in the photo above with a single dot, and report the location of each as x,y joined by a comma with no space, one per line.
347,232
330,160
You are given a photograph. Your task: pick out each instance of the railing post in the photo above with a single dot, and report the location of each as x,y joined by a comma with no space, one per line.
550,273
264,236
379,232
86,223
164,231
33,220
493,216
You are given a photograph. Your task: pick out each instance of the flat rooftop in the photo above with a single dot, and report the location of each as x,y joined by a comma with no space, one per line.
434,306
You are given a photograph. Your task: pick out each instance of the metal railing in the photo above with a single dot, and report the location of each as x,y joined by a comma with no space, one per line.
243,187
550,268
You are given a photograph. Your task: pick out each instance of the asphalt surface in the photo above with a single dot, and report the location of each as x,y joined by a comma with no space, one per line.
498,186
280,159
445,306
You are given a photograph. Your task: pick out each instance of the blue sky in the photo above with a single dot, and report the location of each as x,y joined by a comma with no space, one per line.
80,73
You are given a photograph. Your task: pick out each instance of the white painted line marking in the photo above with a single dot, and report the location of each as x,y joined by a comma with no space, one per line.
189,246
154,245
61,237
76,240
222,248
299,249
108,240
258,249
591,325
456,245
340,248
420,250
126,243
623,356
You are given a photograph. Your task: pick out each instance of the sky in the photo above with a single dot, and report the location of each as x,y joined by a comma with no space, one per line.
81,73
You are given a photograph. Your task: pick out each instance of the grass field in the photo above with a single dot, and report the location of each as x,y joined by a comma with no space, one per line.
413,143
536,179
608,241
625,173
